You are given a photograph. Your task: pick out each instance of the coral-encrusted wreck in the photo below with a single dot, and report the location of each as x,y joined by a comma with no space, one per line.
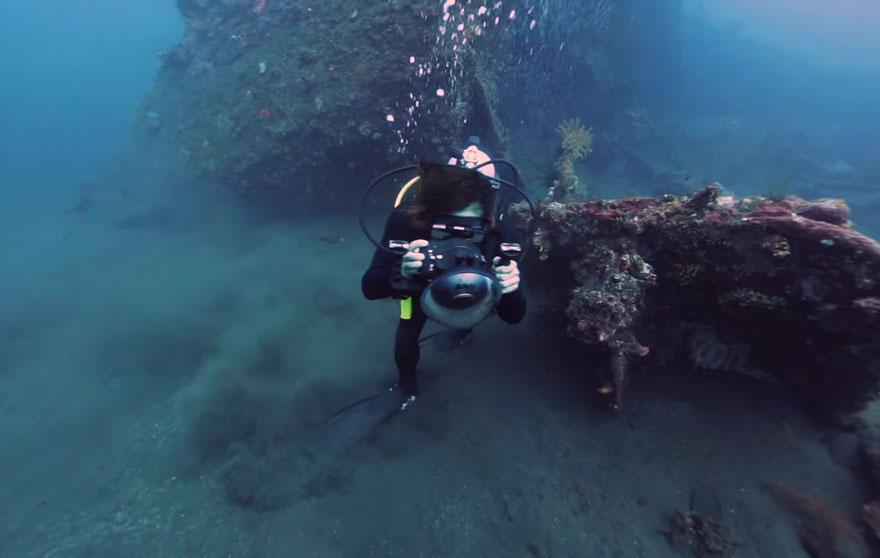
782,289
291,104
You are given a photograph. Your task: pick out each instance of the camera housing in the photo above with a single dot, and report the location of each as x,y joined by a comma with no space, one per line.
441,257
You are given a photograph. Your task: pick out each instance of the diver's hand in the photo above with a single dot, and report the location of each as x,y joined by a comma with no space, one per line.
508,275
412,260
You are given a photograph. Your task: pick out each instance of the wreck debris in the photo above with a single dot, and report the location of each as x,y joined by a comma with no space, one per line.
701,531
703,537
788,282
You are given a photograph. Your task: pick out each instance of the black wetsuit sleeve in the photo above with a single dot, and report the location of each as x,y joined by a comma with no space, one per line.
512,308
376,282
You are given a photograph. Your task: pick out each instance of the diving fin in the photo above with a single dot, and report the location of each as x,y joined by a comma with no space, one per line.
353,423
441,344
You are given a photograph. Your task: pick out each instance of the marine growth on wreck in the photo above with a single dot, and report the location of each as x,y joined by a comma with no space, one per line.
784,290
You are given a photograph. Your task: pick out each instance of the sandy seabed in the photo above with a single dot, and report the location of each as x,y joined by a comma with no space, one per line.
130,349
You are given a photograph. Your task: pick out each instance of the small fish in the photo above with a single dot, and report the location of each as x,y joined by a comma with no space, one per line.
331,239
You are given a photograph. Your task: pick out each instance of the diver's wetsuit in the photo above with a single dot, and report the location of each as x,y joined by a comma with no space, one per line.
376,284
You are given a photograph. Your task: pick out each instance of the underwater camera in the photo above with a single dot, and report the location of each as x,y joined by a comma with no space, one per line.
456,284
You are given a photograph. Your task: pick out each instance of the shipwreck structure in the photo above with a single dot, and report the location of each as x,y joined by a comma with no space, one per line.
292,103
785,290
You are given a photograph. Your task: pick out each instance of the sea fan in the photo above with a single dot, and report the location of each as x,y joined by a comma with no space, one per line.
710,353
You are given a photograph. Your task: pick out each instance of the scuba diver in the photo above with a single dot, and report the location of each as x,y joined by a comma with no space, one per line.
449,255
453,257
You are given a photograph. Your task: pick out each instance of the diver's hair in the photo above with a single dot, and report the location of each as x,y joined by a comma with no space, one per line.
444,189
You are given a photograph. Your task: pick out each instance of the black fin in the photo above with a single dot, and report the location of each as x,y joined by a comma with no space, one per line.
353,423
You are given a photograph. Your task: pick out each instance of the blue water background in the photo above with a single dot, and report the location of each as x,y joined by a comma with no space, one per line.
72,74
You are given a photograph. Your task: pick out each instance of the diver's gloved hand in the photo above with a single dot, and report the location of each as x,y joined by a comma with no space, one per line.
508,275
412,260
